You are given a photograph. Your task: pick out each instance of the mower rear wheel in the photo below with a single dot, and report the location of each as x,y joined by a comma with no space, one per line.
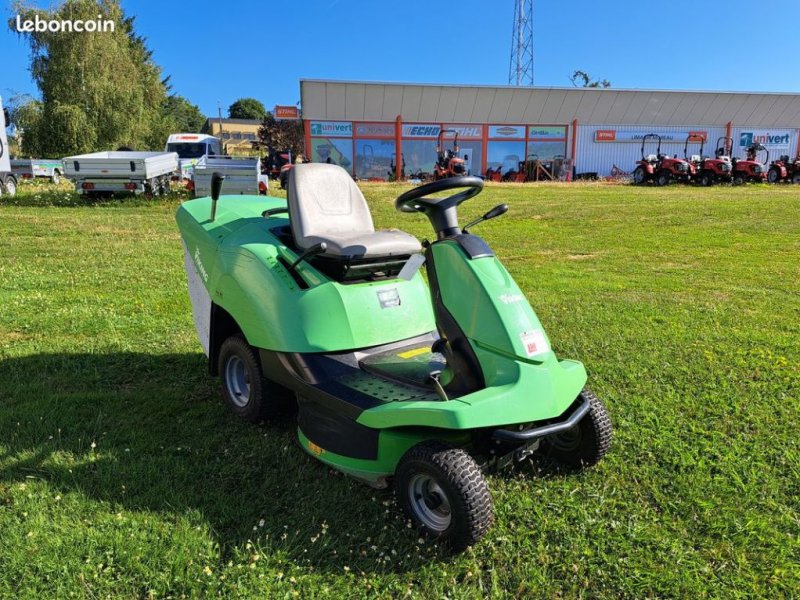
586,443
444,493
245,390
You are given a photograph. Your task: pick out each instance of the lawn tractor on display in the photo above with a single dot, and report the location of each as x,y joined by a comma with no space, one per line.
707,170
660,168
397,382
448,162
784,169
750,169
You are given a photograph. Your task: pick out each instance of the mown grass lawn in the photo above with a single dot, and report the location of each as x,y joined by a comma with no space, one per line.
122,474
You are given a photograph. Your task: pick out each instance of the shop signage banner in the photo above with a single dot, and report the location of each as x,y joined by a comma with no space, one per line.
547,133
420,130
466,132
331,128
667,137
286,112
774,139
509,132
375,129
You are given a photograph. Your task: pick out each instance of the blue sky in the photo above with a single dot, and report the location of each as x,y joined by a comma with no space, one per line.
220,51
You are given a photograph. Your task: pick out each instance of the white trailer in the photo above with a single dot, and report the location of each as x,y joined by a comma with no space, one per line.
101,173
242,176
30,168
8,181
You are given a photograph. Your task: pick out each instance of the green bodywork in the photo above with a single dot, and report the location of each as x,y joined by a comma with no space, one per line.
239,254
237,257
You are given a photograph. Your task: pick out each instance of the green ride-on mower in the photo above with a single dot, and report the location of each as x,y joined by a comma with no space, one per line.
423,386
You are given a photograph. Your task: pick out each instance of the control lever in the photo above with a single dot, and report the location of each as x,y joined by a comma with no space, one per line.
313,251
498,210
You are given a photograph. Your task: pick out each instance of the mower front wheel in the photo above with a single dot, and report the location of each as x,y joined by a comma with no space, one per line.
587,442
245,390
445,494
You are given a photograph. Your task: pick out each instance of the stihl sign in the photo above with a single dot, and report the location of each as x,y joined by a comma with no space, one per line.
670,137
286,112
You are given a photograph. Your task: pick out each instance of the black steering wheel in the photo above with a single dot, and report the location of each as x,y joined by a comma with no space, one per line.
441,211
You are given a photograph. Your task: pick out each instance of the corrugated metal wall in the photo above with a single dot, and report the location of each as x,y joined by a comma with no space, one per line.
600,157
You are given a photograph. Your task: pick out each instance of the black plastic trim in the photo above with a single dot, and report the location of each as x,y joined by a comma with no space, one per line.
473,245
335,432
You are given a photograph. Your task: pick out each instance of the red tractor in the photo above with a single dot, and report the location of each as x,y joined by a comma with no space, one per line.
784,169
448,163
708,171
750,169
660,168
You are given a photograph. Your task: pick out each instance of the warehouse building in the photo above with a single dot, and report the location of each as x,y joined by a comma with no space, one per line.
560,131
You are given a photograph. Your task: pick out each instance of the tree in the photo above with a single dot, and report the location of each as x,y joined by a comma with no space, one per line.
281,135
583,79
247,108
98,90
184,116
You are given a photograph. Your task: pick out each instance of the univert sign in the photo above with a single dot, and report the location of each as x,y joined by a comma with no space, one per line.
769,138
331,128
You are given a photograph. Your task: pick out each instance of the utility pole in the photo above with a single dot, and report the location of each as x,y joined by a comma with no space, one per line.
520,68
221,137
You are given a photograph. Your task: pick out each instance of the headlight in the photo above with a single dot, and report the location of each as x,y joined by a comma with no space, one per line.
724,167
756,169
682,166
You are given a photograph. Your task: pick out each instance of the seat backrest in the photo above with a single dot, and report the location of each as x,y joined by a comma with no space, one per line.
323,199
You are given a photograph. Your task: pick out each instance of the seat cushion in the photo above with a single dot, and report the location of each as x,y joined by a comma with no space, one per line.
326,205
388,242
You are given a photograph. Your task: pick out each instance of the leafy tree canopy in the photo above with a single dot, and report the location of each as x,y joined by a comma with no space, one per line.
247,108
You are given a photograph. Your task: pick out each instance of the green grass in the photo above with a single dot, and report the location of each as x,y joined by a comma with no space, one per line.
122,474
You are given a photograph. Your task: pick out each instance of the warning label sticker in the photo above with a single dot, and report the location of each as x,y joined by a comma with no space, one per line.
534,342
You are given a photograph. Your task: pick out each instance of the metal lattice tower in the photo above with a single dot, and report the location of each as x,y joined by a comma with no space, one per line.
520,68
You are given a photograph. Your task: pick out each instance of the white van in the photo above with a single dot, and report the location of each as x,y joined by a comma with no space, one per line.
8,181
192,148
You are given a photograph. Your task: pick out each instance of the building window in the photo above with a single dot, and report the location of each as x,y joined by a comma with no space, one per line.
336,151
505,155
374,158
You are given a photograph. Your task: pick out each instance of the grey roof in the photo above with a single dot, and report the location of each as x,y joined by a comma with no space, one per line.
365,101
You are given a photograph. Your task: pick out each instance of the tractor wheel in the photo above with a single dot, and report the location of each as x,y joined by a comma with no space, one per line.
738,180
639,176
706,179
56,177
586,443
796,178
773,176
444,493
247,393
662,178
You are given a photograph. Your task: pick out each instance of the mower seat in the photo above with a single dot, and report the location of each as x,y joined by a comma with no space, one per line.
325,205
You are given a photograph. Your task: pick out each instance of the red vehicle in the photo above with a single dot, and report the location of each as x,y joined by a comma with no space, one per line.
448,163
660,168
708,171
750,169
784,169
